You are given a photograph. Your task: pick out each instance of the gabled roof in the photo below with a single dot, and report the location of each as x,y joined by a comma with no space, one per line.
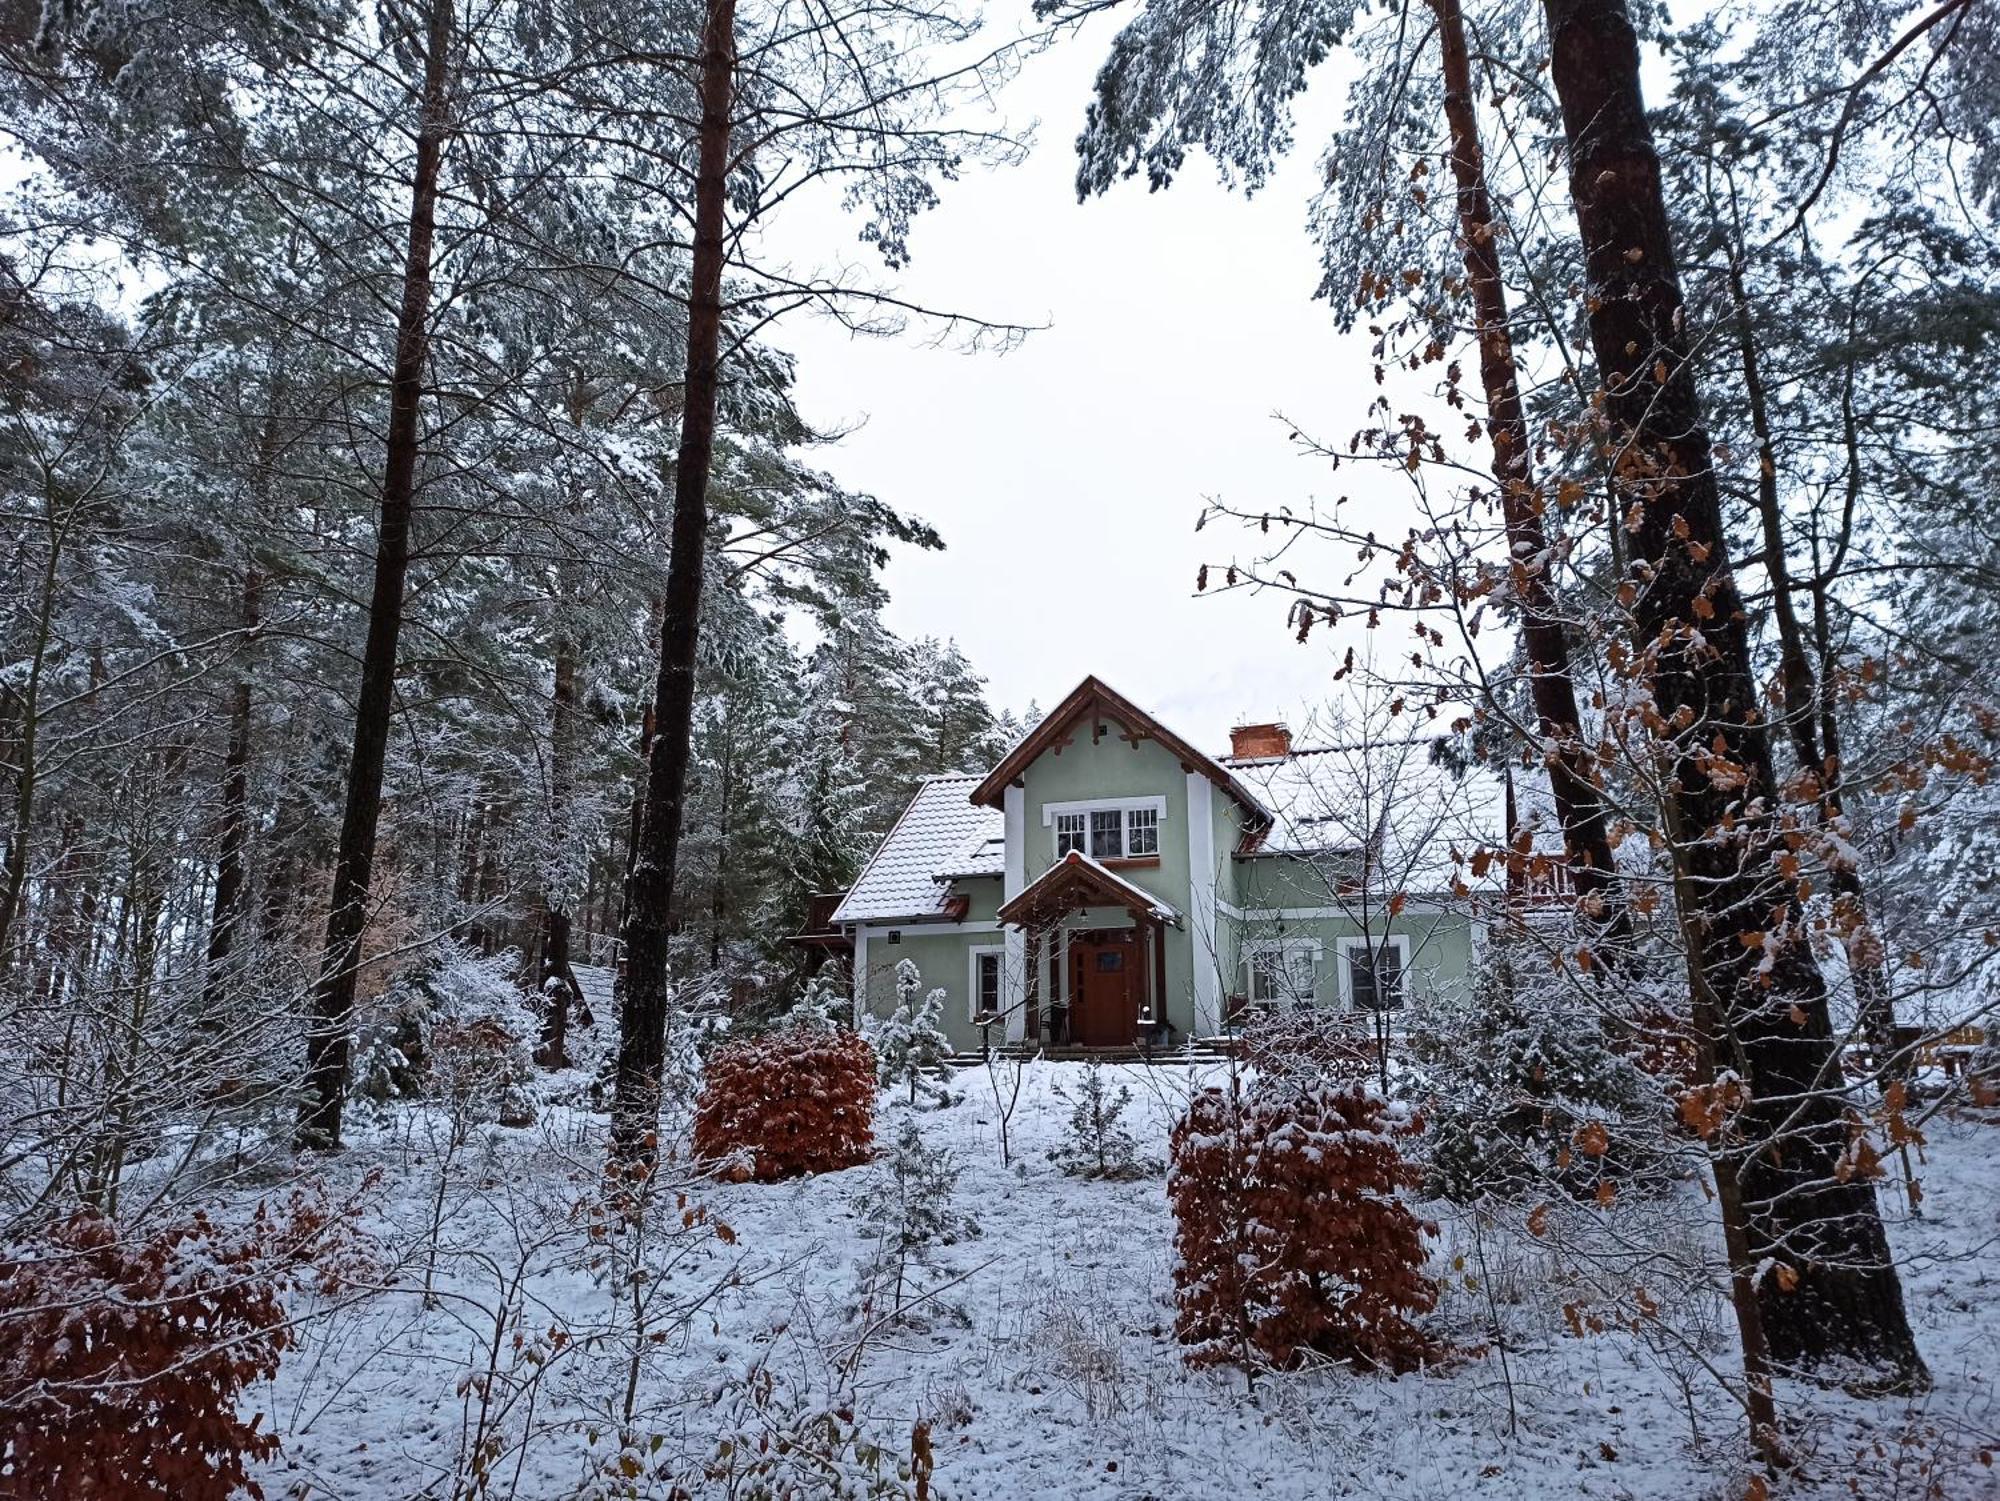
1418,815
1095,699
1077,880
938,833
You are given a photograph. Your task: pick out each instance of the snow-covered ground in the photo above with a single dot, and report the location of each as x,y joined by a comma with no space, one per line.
1045,1364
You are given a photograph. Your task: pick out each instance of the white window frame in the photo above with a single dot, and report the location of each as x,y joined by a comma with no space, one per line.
1053,813
1400,942
972,957
1255,948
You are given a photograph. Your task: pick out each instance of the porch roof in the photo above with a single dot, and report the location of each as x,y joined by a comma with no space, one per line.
1076,881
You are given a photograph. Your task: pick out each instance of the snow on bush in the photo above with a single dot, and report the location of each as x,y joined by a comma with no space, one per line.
793,1101
1308,1043
1523,1099
1289,1235
122,1356
911,1046
1097,1145
911,1207
457,1030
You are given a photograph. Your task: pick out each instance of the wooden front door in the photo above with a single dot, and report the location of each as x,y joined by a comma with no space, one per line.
1105,976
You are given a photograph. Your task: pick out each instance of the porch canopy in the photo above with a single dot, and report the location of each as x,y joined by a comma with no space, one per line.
1089,1010
1074,882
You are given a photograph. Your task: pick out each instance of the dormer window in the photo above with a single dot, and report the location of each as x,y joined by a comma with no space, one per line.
1115,829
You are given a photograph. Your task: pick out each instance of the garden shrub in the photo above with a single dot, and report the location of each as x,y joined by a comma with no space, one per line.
793,1101
1308,1044
1522,1100
1289,1234
122,1356
911,1045
1097,1143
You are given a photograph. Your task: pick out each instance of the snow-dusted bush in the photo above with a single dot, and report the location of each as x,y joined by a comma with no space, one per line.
455,1029
821,1005
1524,1097
910,1207
1289,1233
1308,1044
911,1046
122,1355
767,1435
1097,1144
796,1100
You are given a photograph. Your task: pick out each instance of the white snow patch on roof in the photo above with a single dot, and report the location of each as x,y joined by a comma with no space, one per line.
940,835
1412,810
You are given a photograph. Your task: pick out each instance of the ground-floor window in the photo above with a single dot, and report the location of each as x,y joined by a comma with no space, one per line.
1372,972
984,988
1282,970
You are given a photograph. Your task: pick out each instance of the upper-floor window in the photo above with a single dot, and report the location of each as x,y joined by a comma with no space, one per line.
1115,829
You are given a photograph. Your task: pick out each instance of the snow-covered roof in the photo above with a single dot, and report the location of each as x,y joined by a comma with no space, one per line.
941,835
1078,869
1411,808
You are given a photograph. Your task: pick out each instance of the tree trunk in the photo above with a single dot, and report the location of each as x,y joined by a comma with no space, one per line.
556,980
1586,841
229,866
718,891
642,1016
327,1042
1804,695
1830,1289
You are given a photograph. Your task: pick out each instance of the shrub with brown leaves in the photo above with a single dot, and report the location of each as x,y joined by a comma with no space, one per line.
1288,1232
795,1101
121,1357
1308,1045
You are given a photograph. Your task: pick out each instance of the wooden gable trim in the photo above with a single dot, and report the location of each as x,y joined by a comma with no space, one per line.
1101,702
1074,882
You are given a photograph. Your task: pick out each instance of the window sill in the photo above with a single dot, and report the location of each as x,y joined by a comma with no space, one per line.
1132,862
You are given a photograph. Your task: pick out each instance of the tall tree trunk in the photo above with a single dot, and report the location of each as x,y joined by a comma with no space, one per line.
229,864
556,980
1831,1289
1586,840
25,750
327,1042
1804,697
642,1012
718,891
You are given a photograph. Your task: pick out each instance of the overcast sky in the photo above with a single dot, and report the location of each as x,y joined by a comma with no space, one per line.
1066,476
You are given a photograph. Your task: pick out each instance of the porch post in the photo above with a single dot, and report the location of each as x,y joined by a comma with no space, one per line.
1031,1009
1157,934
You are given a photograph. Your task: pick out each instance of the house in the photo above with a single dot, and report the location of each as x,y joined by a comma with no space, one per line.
1108,884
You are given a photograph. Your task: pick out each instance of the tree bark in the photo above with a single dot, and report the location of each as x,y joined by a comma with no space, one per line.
1552,687
555,979
327,1041
1830,1289
642,1015
227,911
1804,696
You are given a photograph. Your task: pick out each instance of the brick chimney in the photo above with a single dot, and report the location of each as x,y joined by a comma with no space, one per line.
1259,742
